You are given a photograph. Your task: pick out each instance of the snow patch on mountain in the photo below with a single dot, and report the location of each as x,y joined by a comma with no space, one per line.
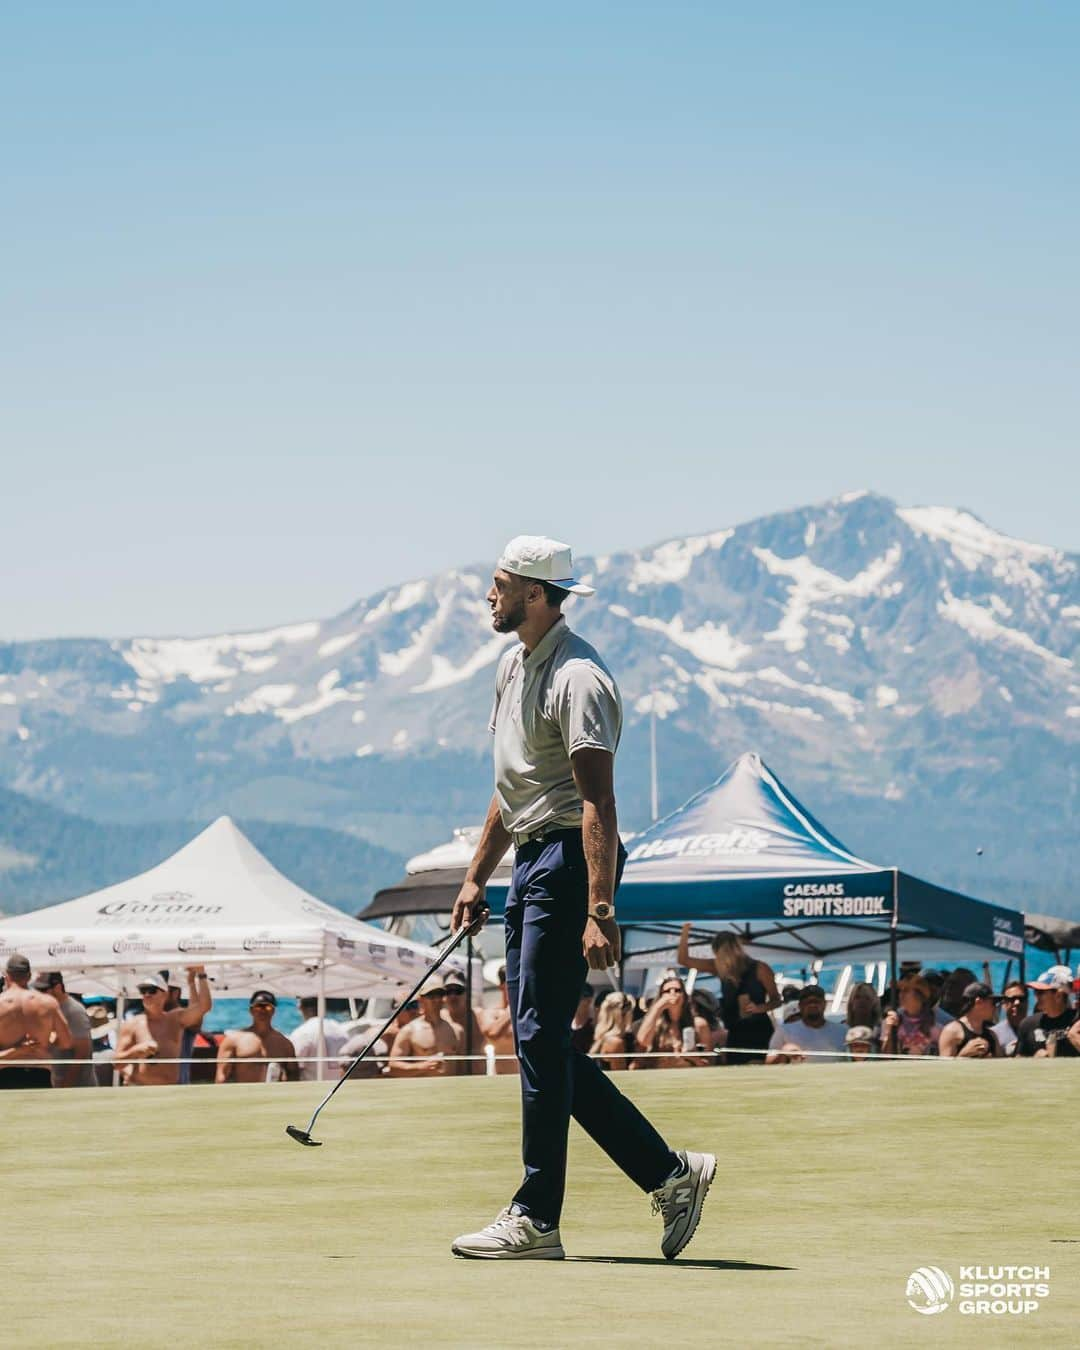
397,602
333,645
971,541
711,643
267,698
814,585
843,702
982,624
201,660
672,561
444,673
256,665
328,691
397,663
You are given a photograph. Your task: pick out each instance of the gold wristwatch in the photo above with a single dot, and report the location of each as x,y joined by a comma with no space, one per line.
601,910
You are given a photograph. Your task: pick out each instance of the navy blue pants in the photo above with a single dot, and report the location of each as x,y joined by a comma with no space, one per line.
546,909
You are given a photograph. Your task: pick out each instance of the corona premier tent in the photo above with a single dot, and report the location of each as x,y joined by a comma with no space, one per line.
745,855
217,902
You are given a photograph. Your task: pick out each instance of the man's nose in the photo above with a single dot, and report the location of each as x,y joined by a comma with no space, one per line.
492,596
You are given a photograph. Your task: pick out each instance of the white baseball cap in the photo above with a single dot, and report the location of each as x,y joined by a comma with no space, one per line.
1057,977
543,559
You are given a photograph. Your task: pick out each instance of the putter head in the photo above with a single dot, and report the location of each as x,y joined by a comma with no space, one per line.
302,1136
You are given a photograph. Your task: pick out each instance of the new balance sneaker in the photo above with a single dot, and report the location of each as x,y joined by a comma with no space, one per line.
510,1237
680,1198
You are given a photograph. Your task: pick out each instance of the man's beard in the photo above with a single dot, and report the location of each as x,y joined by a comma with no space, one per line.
511,621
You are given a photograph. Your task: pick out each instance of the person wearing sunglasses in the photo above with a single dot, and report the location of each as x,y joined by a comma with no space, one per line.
156,1033
671,1030
458,1013
1014,1005
420,1048
971,1036
246,1056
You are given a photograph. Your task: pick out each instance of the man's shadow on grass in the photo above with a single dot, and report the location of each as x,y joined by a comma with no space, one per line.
676,1264
634,1261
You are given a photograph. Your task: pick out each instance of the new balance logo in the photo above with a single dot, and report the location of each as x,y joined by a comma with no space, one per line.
683,1197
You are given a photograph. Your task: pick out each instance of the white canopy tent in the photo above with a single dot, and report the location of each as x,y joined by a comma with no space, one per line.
217,902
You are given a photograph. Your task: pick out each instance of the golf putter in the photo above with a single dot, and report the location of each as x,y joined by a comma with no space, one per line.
304,1136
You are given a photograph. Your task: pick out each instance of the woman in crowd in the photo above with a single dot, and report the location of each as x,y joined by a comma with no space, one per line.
912,1029
614,1035
864,1007
707,1006
671,1029
749,993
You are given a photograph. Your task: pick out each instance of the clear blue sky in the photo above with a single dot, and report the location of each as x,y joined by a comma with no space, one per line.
300,300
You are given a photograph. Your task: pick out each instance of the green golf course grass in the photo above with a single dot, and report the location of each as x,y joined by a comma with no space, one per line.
186,1214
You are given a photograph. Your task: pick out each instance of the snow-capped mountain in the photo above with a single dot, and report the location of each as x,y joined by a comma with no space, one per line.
895,662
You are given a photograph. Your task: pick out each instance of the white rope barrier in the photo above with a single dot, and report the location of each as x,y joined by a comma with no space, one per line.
717,1055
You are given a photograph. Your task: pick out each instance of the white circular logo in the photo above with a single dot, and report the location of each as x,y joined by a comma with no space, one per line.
929,1290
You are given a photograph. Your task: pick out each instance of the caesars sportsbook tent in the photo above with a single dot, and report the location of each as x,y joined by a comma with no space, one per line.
744,855
217,902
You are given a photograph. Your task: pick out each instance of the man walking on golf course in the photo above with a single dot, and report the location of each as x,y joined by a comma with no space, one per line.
556,722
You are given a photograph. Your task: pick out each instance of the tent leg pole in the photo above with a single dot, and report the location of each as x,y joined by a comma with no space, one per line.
1023,966
321,1075
469,1014
894,961
119,1023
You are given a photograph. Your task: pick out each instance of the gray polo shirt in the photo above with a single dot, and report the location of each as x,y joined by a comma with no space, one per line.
79,1024
555,700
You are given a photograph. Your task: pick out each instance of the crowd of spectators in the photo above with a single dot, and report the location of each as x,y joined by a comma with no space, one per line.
50,1038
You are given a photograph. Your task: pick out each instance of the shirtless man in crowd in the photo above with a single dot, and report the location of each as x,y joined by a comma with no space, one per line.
428,1035
244,1056
457,1012
498,1032
157,1034
32,1027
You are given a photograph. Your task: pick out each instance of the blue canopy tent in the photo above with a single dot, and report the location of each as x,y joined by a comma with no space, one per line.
744,855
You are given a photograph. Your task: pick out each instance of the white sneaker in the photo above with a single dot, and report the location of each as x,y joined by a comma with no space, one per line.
680,1200
510,1237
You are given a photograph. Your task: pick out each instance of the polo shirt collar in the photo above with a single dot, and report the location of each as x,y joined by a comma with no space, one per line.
548,642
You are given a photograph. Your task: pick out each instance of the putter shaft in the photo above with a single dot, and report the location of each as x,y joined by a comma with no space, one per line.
304,1136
